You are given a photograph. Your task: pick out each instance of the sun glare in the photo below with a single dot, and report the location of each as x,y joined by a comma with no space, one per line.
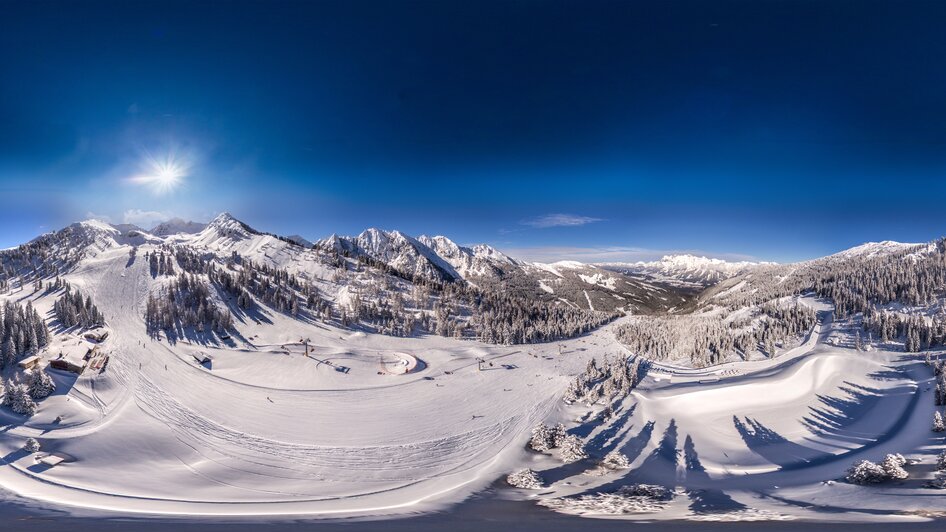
162,175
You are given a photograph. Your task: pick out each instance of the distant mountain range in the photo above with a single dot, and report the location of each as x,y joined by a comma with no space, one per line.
665,285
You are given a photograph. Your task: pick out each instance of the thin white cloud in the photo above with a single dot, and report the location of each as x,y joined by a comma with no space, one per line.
559,220
143,218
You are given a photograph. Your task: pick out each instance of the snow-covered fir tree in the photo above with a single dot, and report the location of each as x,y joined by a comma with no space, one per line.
938,424
41,385
20,400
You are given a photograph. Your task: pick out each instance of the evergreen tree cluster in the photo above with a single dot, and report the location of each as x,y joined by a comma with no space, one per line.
274,287
503,319
615,378
160,263
459,309
186,303
919,333
22,332
17,397
709,340
72,309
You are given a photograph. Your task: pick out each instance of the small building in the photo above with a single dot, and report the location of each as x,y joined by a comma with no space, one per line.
29,362
72,358
66,364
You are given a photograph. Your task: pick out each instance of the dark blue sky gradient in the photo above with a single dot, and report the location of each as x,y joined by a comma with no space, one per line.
776,130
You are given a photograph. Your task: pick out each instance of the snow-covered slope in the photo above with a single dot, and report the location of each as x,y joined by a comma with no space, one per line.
176,226
300,240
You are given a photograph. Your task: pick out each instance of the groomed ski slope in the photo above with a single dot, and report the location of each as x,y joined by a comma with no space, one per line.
263,429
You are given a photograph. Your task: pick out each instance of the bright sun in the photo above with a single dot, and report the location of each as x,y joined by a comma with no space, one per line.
162,175
169,174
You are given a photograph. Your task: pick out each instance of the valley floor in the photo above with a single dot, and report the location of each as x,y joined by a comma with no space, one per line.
302,419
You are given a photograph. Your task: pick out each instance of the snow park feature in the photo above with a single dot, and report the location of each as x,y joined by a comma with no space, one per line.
276,380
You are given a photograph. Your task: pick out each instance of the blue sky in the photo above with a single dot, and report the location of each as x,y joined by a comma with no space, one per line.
591,130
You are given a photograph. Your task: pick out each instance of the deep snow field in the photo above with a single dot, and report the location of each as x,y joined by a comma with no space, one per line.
299,419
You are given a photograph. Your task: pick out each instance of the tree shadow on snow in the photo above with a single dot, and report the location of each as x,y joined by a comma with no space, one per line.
615,429
772,446
705,500
836,415
605,441
661,466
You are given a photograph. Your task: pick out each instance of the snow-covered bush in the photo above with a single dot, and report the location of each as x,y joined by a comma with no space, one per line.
4,398
41,384
545,438
31,445
573,449
866,472
616,460
525,479
893,466
938,424
941,461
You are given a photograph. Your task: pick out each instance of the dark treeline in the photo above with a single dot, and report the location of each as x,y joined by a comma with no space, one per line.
390,302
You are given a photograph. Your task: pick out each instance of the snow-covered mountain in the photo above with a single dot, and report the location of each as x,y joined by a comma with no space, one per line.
570,283
401,252
886,247
479,260
685,269
664,285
